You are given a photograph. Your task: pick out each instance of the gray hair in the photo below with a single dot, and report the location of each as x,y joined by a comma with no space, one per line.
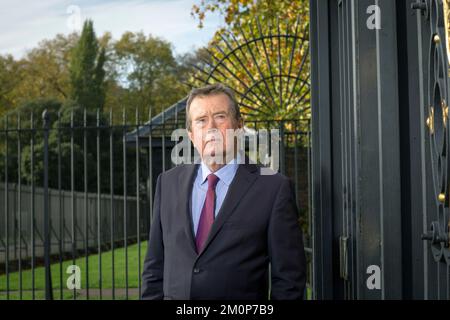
210,90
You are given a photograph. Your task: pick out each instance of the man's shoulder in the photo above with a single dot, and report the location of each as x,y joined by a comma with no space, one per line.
265,174
176,171
269,176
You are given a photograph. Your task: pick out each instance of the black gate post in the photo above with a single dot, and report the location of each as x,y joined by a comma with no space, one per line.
321,152
48,275
356,180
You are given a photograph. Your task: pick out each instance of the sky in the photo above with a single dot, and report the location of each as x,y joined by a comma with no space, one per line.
23,23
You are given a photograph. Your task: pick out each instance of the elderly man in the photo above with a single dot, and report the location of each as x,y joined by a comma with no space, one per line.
221,229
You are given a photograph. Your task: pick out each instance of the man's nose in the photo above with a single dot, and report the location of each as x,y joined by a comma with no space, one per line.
211,130
211,124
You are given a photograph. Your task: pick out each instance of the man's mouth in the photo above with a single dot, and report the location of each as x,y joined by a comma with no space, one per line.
210,140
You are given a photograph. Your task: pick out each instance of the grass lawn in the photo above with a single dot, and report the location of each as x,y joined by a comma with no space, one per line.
93,276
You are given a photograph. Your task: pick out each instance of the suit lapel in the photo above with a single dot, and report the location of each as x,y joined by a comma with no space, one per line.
185,182
245,176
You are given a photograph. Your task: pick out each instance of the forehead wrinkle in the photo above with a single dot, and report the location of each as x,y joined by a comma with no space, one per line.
204,113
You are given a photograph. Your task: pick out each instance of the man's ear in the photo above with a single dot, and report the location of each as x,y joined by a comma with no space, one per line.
190,135
241,125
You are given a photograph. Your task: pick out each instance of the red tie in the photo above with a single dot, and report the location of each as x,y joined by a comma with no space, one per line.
207,215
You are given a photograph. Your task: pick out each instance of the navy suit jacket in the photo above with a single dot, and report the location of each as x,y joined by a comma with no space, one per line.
256,226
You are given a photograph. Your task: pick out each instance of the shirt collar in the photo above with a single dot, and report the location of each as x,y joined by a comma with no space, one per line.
225,174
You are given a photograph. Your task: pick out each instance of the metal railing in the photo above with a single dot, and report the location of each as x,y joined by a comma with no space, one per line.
77,190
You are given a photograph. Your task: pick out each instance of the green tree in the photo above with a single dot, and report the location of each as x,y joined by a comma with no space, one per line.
87,70
10,77
69,134
19,125
42,73
148,69
45,72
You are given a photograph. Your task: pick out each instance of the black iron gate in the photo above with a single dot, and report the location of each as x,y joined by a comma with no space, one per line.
380,73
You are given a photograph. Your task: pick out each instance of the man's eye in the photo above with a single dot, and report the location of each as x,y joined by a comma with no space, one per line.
200,122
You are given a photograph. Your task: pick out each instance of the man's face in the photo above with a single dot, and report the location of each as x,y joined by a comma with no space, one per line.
211,116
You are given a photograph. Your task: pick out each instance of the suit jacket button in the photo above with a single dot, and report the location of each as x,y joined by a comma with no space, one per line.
196,270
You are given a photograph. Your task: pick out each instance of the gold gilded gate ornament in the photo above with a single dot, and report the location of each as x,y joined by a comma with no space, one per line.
444,112
437,40
430,119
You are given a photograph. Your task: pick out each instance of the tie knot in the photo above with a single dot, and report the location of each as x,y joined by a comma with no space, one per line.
212,180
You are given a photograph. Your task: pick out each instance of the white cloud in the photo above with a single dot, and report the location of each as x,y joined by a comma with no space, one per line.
23,26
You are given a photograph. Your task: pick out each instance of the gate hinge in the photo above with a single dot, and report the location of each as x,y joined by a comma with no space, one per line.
343,257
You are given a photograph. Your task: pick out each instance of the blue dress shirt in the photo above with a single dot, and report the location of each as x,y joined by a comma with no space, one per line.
226,175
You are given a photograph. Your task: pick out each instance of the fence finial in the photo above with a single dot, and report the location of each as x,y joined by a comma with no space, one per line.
45,118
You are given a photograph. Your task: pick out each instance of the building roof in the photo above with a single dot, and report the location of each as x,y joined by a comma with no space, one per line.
170,118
